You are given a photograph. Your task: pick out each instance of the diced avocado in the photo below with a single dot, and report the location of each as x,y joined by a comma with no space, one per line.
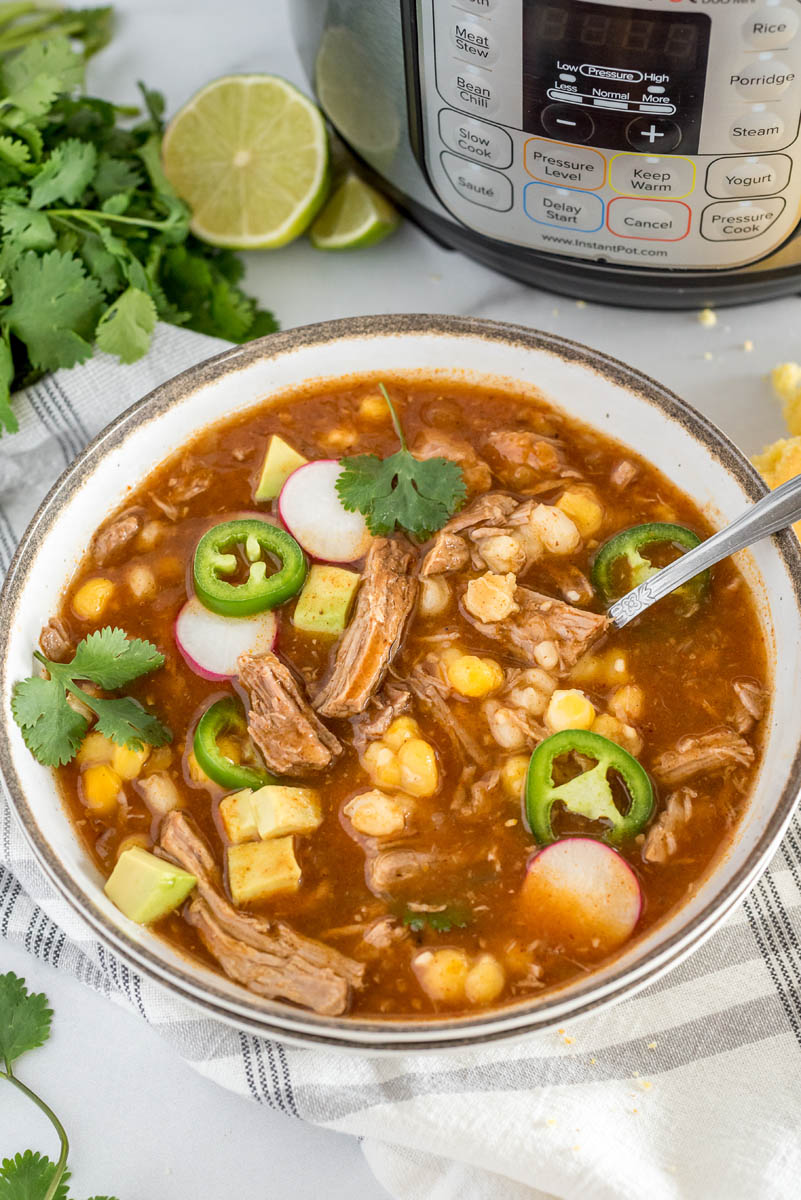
257,870
281,810
238,818
325,602
280,461
146,888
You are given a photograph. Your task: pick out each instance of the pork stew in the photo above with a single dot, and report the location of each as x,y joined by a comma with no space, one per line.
410,768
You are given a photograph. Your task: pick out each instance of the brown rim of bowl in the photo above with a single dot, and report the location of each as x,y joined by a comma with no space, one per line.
283,1020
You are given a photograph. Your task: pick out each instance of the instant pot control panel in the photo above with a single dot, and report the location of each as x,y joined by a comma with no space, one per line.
665,135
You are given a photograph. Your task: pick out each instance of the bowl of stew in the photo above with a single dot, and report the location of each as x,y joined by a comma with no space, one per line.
352,754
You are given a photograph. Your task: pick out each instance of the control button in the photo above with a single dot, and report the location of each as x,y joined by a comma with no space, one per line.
475,139
651,175
470,90
739,220
758,131
567,122
771,28
472,40
478,6
565,165
653,133
762,80
478,184
752,176
563,208
632,218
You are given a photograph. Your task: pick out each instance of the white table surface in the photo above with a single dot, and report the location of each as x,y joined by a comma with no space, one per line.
143,1125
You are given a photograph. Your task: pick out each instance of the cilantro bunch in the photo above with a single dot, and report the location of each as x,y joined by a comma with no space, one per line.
94,242
25,1025
413,494
53,729
452,916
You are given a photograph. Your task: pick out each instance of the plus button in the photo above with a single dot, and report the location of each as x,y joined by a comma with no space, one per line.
649,133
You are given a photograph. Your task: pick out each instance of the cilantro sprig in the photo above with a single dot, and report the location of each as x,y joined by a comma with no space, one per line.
404,492
25,1020
53,730
94,242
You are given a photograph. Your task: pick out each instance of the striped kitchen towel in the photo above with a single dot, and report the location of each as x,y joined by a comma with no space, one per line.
690,1090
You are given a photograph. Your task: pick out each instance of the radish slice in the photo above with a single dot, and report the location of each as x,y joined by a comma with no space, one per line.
580,893
313,513
211,644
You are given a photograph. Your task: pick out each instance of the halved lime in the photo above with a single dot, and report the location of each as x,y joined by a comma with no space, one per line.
249,155
355,216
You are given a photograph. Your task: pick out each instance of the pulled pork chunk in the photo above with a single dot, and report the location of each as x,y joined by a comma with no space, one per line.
749,704
55,641
662,838
281,723
390,867
535,618
711,752
116,536
450,551
433,444
385,601
392,701
383,933
431,691
524,455
268,957
475,799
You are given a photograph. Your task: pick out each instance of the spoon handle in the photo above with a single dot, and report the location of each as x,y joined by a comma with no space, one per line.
773,512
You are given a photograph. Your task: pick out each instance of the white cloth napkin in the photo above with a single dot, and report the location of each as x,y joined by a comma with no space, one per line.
690,1091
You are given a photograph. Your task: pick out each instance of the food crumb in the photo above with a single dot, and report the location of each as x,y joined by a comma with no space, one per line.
581,304
512,821
652,1045
551,1121
708,355
555,312
593,1061
646,1084
707,317
568,1040
748,345
576,1148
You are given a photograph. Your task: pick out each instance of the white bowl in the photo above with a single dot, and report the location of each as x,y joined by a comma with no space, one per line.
606,394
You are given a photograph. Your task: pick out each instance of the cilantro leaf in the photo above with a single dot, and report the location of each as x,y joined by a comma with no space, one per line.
115,175
28,1176
27,228
453,916
7,417
54,308
127,325
52,58
51,728
111,659
14,153
65,175
418,495
24,1019
128,723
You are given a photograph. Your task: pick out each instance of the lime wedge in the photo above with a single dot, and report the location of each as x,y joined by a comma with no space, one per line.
355,216
249,155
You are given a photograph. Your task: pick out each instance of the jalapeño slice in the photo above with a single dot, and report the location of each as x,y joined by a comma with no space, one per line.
588,794
626,548
214,559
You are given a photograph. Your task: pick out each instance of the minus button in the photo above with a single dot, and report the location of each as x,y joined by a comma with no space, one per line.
563,121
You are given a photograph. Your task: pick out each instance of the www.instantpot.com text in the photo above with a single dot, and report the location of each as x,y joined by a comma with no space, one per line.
619,248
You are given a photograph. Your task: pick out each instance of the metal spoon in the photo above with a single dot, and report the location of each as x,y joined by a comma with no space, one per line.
773,512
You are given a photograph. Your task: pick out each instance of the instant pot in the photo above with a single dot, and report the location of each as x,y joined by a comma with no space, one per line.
634,155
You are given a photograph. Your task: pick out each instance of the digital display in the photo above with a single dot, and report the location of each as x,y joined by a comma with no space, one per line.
618,66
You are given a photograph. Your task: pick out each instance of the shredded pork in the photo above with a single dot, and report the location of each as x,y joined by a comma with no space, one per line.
282,724
709,753
115,537
538,618
385,602
434,444
268,957
662,839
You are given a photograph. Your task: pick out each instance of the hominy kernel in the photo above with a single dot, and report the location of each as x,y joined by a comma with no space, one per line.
91,599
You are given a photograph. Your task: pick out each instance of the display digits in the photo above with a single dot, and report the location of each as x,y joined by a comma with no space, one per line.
594,30
553,23
681,42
